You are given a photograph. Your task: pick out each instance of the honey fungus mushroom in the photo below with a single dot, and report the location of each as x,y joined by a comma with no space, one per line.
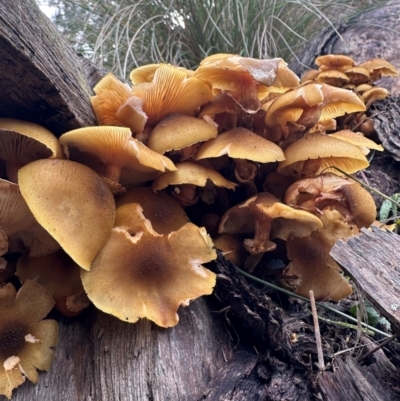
267,218
22,142
141,274
25,339
187,178
72,203
114,154
311,266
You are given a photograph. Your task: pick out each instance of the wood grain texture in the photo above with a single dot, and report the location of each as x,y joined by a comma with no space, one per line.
101,358
42,79
372,260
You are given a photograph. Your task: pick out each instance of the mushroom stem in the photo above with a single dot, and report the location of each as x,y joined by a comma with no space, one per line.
244,170
261,242
113,172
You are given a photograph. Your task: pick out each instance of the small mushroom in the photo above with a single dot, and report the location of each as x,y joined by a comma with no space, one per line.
358,139
141,274
333,78
378,67
334,62
374,94
25,339
72,203
358,75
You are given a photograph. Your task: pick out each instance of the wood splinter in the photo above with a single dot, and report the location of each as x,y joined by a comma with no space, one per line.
321,363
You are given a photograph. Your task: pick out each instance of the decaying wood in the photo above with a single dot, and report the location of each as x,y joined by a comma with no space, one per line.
42,79
372,260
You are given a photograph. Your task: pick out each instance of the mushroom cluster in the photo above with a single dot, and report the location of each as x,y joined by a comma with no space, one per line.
237,155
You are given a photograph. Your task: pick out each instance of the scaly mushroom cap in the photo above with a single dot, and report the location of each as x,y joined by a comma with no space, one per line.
171,91
316,152
378,67
72,203
312,268
267,218
19,225
176,131
191,173
241,143
22,142
60,275
25,339
338,102
358,139
165,214
113,153
328,190
141,274
111,93
334,62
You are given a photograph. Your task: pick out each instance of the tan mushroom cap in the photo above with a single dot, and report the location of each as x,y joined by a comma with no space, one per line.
164,213
177,131
111,93
309,75
113,153
312,267
140,274
314,153
19,225
374,94
191,173
241,143
333,77
60,275
338,102
302,106
22,142
171,91
145,73
72,203
358,139
334,62
358,75
328,190
378,67
267,218
25,338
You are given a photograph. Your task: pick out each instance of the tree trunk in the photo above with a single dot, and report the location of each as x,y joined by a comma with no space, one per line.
237,345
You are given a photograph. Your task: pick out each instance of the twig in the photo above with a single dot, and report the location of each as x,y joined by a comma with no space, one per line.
321,363
382,344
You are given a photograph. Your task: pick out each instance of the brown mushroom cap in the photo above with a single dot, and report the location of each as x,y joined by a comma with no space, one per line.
312,266
374,94
191,173
60,275
139,273
333,77
358,75
72,203
316,152
241,143
176,131
358,139
22,142
267,218
378,67
113,153
165,214
334,62
25,338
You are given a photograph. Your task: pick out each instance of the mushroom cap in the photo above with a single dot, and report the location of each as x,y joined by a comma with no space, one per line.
333,77
139,273
326,150
358,139
241,143
60,275
177,131
312,265
373,94
334,62
231,247
112,152
378,67
25,338
191,173
358,75
145,73
111,93
72,203
164,213
171,91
